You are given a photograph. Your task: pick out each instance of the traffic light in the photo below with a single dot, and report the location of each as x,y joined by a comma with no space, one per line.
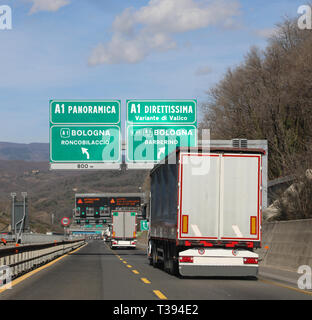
87,221
83,214
96,214
77,212
104,220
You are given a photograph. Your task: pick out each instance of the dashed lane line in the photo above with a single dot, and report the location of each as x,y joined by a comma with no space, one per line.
145,280
160,295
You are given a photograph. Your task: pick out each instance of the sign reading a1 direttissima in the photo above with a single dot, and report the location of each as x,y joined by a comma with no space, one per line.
84,134
157,127
162,112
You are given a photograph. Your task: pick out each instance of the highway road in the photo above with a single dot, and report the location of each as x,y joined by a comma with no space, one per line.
96,272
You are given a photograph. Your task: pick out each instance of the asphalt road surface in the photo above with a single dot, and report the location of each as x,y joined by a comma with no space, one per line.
96,272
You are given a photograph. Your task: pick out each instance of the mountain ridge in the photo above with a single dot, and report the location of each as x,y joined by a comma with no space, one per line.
25,167
34,152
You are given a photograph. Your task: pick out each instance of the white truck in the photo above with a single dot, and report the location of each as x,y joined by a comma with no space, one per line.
106,234
123,229
205,211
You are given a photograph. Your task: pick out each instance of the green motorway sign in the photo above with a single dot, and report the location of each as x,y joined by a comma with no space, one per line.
84,134
85,112
157,127
162,112
144,225
85,144
153,143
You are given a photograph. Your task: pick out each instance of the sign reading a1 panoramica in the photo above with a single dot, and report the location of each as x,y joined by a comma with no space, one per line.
157,127
84,134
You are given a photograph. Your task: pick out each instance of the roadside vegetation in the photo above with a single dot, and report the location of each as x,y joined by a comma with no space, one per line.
269,96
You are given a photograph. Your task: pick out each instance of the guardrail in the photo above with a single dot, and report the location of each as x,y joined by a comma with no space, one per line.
25,258
27,238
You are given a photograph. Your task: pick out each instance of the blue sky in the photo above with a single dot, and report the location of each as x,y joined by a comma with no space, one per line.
101,49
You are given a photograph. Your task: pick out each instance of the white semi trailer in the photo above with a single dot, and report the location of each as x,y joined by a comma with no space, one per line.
123,229
206,207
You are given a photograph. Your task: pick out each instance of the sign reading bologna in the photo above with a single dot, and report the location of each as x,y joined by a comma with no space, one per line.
84,134
156,128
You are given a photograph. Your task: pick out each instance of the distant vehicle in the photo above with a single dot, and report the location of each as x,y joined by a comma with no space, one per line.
205,215
106,235
123,229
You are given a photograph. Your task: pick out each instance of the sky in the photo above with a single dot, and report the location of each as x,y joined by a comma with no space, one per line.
121,49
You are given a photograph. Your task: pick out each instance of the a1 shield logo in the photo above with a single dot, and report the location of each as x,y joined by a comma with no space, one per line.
65,133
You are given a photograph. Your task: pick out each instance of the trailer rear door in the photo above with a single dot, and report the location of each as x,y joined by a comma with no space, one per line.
117,225
240,195
220,196
124,225
199,196
130,224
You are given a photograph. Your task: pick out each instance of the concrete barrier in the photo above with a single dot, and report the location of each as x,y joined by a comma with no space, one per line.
289,244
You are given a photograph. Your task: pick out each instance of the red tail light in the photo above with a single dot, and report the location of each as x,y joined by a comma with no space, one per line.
115,242
133,242
250,260
186,259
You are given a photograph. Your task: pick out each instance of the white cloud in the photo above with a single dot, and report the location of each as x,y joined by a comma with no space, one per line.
47,5
202,71
266,33
138,33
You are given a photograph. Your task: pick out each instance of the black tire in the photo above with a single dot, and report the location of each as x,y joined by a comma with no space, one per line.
155,262
173,264
149,257
174,270
167,258
150,261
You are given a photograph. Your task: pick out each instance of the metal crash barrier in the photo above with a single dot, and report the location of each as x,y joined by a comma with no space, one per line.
25,258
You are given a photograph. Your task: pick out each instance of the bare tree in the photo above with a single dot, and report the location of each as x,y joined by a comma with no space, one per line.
269,97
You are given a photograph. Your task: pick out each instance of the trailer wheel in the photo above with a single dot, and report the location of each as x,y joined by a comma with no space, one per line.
173,267
168,261
154,256
150,254
166,258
